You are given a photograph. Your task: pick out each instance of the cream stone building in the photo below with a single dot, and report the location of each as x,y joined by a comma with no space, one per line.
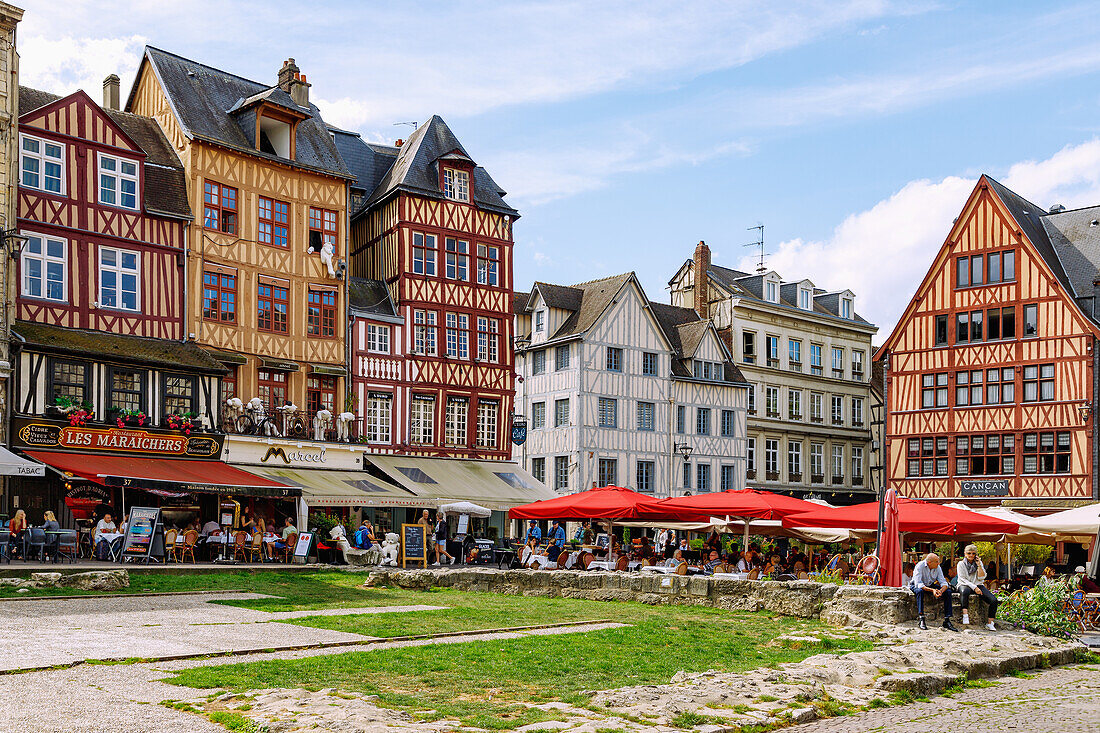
9,180
807,355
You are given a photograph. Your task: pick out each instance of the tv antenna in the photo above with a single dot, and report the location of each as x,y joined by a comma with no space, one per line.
414,124
759,242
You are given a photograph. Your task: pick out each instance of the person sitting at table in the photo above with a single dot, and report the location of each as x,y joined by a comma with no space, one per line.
1047,578
52,529
210,528
684,546
675,560
288,529
248,524
773,566
970,575
713,542
261,525
906,574
1086,584
17,529
744,564
584,533
125,523
556,534
105,525
928,578
713,561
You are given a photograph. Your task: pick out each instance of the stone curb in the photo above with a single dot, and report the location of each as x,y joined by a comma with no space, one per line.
123,595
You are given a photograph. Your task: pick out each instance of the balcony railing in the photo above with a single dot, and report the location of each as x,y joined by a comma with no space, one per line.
817,478
838,480
295,424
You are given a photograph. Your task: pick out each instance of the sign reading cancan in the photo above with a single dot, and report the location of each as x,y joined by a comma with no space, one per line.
995,487
40,433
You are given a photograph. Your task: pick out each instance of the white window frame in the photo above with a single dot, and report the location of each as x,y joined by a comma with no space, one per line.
561,412
817,459
805,299
44,259
118,177
607,412
647,416
771,455
838,461
846,308
42,159
425,332
488,424
540,321
456,185
857,462
422,420
378,338
538,415
456,420
119,272
378,414
771,291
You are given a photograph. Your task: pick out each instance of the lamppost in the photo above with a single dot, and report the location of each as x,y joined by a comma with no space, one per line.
684,449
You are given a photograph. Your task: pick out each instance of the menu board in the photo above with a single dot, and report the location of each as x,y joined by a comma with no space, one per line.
413,545
303,546
463,524
142,534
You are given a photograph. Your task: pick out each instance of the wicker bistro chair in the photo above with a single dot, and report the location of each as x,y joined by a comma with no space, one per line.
170,544
187,547
256,549
682,569
286,553
240,545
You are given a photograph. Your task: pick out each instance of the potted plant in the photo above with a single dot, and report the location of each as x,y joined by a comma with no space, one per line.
133,418
80,417
182,421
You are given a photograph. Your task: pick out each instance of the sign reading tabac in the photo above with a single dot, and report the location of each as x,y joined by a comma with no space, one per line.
38,433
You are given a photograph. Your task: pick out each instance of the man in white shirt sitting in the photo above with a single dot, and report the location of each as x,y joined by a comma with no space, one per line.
102,547
928,577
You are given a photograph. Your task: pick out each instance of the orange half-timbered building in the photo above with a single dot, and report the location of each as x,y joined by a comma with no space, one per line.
991,371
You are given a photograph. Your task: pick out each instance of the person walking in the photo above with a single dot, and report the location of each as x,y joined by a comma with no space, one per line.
441,534
928,578
971,580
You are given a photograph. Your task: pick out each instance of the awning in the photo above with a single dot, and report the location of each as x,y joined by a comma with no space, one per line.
167,474
13,465
227,357
498,485
328,370
281,364
321,487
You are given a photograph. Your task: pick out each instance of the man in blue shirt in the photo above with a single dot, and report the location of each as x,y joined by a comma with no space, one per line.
557,534
928,577
534,532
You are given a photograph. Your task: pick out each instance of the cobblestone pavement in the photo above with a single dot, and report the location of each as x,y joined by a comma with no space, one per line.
1062,700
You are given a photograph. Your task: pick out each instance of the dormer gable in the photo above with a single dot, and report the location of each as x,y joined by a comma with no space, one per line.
799,293
840,303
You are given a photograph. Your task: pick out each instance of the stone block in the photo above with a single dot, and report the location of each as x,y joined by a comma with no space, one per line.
46,580
101,580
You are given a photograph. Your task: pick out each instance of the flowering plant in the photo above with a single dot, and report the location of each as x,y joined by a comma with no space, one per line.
130,416
1041,609
181,421
79,417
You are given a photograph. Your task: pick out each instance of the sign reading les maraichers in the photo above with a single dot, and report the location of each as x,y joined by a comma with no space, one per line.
36,433
996,487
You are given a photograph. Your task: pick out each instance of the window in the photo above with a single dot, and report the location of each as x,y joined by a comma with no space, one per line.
933,392
1031,320
1047,452
179,394
805,299
488,339
817,462
838,464
322,229
219,295
845,307
119,286
607,471
941,330
771,458
647,416
649,364
538,415
927,457
127,389
771,292
1008,265
43,263
457,266
271,386
702,421
748,347
771,401
425,332
794,404
838,363
607,413
456,184
857,412
271,307
702,477
488,265
69,379
458,336
273,222
1000,386
422,420
379,417
424,252
985,455
42,163
794,355
118,182
1038,382
229,384
709,370
561,357
378,338
538,469
838,409
752,399
857,366
614,362
321,313
644,477
687,475
561,473
772,345
968,388
794,461
681,419
815,359
455,420
729,480
219,207
750,456
320,394
857,465
540,321
538,362
817,407
561,413
728,422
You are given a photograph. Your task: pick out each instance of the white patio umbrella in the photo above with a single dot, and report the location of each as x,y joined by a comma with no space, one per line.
466,507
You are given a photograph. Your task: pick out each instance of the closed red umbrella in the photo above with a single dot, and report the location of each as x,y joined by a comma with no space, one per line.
889,542
919,517
744,504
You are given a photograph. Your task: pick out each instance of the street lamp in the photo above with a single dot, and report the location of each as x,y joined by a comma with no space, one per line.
684,450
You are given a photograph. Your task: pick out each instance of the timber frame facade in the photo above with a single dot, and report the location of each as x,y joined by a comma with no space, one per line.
991,371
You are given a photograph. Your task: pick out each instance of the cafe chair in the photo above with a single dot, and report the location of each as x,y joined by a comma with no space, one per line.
240,545
682,569
68,546
287,552
623,563
256,549
170,544
36,544
190,539
563,559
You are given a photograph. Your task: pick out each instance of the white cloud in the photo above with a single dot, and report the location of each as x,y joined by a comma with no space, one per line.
65,64
883,253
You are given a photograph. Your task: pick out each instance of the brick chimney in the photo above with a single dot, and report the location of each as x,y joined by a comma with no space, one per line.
294,83
110,92
702,282
287,74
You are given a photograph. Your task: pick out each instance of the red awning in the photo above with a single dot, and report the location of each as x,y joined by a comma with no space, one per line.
166,474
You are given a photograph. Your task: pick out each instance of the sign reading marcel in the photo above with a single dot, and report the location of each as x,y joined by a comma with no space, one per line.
996,487
291,453
39,433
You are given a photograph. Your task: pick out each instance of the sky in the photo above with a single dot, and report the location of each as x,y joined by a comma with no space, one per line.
626,132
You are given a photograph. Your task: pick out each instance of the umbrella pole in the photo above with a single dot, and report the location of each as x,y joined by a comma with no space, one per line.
745,547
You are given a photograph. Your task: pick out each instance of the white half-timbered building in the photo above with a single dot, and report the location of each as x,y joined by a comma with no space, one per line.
617,390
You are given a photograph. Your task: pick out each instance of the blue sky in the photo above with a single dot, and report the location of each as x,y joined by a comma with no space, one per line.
627,131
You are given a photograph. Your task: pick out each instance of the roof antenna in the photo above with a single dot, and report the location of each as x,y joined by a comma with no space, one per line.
414,124
760,267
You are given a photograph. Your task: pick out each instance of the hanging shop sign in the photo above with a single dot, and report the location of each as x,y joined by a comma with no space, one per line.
519,430
996,487
40,433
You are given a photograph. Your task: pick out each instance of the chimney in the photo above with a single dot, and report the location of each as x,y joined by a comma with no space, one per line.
702,283
399,143
287,74
110,92
294,83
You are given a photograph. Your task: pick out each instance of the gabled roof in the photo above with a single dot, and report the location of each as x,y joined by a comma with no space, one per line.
367,161
158,353
519,302
596,296
1075,238
557,296
165,190
1029,218
368,297
202,98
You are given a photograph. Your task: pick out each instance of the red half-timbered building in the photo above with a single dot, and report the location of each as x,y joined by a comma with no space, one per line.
991,371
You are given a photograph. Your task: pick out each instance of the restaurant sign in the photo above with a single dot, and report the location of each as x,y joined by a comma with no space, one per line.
40,433
996,487
256,451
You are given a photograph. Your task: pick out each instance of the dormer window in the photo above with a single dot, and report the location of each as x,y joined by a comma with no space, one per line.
456,184
845,307
771,291
540,321
118,182
274,137
805,299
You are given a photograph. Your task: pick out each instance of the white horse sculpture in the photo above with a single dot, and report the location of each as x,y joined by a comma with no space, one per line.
321,421
343,426
258,413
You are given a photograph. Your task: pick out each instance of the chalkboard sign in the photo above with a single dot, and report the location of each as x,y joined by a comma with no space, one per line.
603,540
303,546
144,534
413,545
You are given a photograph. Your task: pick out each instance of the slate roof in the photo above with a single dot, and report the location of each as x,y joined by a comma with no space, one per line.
519,302
752,285
366,161
370,297
202,97
596,297
158,353
1075,238
559,296
1030,217
165,190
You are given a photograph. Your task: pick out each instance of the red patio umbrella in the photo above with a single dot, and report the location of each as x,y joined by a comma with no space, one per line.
744,504
919,517
889,542
608,502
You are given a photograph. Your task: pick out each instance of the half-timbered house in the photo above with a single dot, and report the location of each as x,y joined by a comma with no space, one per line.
991,370
617,390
